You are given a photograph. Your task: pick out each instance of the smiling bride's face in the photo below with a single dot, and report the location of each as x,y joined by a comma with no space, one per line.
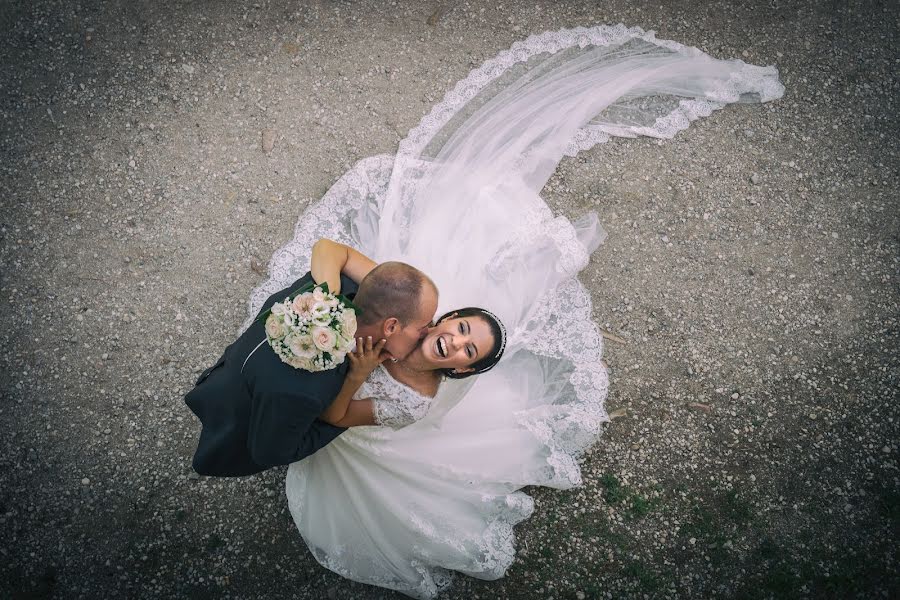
457,343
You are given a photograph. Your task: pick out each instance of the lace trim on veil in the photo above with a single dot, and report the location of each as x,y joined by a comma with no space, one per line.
760,80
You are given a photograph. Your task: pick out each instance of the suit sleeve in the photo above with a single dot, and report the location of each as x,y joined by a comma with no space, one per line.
284,429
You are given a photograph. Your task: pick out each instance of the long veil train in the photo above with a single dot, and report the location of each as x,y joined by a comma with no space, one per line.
404,508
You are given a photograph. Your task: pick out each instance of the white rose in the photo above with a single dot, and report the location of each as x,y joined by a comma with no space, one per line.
301,345
348,323
345,344
278,308
324,338
274,327
300,363
318,294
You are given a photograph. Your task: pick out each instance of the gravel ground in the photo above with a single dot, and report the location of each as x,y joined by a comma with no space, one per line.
749,283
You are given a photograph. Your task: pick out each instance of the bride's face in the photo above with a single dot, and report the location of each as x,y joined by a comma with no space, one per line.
457,343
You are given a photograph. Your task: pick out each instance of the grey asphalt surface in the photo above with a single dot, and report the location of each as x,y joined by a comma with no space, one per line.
749,285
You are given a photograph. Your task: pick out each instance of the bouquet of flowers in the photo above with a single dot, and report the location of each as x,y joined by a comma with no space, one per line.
312,329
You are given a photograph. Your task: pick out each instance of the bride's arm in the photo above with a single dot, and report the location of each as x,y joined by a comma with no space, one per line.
359,412
343,412
330,259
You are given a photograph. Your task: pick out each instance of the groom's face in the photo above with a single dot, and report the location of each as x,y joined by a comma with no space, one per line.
407,338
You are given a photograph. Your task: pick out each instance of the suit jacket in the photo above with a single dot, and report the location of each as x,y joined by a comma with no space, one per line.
263,413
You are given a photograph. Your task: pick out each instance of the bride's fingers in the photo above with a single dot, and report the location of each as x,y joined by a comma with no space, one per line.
382,356
369,344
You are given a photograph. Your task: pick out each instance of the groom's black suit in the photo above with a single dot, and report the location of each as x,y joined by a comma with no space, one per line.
263,413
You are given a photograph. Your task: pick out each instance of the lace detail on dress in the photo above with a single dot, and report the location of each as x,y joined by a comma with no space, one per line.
394,404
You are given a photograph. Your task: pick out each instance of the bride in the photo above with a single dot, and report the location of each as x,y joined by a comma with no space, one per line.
436,490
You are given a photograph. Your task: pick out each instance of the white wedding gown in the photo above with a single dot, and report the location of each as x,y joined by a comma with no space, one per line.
404,507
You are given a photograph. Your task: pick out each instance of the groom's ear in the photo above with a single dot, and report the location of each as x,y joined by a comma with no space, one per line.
391,326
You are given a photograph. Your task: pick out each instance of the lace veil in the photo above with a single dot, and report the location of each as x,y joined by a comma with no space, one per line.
460,200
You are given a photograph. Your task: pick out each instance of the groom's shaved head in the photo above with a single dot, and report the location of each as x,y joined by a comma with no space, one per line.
392,289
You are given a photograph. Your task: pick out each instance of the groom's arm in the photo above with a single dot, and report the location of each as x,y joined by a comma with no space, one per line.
284,429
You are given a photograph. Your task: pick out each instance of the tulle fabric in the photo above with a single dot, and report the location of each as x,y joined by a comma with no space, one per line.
405,508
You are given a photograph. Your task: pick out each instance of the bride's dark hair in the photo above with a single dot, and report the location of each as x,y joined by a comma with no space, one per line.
498,331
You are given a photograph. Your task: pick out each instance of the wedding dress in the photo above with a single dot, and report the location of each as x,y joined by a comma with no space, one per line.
436,490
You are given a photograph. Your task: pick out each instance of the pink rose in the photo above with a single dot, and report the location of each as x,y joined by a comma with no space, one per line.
323,338
303,305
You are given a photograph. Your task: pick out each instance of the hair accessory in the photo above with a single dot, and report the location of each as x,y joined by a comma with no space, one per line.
502,328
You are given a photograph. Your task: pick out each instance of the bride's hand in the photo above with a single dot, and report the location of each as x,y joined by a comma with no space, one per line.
365,358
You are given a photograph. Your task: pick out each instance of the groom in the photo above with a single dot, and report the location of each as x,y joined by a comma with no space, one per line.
258,412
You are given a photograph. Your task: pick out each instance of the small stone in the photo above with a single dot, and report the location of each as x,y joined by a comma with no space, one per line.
132,164
257,267
755,179
85,481
105,356
812,416
189,69
579,594
886,450
692,541
735,396
268,140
